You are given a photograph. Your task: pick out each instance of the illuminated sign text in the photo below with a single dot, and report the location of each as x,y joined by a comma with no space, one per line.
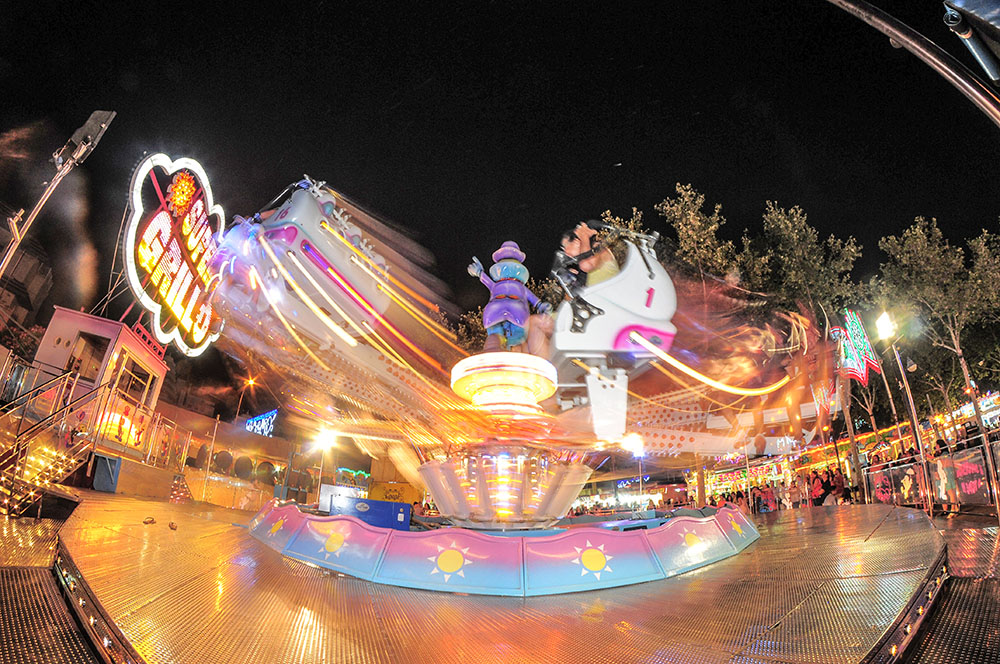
169,245
263,425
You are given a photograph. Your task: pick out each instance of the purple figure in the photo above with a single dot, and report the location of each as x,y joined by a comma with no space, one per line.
505,316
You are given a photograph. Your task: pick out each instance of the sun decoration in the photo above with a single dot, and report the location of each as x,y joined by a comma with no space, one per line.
180,193
735,526
277,526
450,561
592,559
334,545
692,541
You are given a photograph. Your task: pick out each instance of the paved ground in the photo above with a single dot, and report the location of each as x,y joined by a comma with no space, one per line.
820,586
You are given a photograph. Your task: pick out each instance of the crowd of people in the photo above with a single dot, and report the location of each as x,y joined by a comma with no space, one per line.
826,487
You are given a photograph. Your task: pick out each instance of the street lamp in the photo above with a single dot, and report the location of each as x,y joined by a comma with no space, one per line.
77,149
886,329
249,382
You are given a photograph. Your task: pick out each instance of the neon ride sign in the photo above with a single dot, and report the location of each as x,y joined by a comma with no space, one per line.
262,425
856,354
169,244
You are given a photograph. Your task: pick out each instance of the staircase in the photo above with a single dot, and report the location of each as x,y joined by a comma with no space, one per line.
44,438
180,492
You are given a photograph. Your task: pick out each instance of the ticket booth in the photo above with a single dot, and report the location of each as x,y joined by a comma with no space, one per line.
103,352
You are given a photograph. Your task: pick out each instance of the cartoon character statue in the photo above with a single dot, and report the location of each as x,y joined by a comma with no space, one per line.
506,315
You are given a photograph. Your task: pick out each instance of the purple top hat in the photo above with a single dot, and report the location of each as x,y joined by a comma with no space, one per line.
508,249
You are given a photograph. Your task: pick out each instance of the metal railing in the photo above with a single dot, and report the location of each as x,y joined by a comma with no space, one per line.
49,433
959,479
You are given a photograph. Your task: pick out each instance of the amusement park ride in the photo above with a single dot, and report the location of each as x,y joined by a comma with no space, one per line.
320,294
335,312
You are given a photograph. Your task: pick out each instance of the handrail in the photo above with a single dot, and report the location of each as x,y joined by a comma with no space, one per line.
39,388
31,431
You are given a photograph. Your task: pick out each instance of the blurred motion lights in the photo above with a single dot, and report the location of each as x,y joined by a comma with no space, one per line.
504,381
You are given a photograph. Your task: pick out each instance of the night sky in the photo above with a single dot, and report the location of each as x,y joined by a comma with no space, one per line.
472,123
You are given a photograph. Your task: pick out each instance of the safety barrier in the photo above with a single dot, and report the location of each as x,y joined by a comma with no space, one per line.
961,478
468,561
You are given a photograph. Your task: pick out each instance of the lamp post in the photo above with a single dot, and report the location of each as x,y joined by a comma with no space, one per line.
886,329
249,382
77,149
325,441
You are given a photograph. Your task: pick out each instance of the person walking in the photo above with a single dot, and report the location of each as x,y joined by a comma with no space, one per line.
816,489
838,486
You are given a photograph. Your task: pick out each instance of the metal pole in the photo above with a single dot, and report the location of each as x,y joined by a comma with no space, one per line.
322,458
916,432
746,458
864,480
991,467
640,483
845,409
892,402
184,454
945,64
239,404
208,467
17,233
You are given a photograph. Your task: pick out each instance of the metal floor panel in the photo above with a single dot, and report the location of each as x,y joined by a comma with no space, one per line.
28,542
35,624
964,627
973,552
820,585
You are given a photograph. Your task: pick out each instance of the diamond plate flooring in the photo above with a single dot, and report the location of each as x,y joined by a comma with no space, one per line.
821,585
35,624
28,542
973,552
965,626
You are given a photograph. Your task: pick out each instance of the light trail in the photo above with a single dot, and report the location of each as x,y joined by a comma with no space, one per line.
291,330
433,326
326,266
338,330
637,338
409,291
322,291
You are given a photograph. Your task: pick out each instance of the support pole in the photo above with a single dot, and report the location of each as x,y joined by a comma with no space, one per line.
845,408
937,431
916,432
83,141
701,486
208,463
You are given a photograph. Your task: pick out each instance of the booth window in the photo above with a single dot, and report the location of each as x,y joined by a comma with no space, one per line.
135,381
88,355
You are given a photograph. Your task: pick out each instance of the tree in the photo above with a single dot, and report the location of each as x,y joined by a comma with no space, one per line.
787,260
942,378
867,397
698,244
949,288
801,268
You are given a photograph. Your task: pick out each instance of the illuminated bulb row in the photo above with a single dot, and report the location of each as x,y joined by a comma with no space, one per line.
908,628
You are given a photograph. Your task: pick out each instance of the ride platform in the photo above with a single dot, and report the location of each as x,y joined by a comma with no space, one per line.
837,584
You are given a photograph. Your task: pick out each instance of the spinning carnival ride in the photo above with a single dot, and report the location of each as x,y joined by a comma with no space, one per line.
338,310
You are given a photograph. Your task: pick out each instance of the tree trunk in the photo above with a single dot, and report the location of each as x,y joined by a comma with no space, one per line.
972,390
871,418
947,402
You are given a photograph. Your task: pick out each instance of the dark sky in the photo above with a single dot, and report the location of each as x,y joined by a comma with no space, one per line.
471,123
